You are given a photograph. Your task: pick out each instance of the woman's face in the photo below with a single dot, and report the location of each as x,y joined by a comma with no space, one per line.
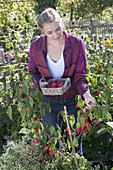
53,30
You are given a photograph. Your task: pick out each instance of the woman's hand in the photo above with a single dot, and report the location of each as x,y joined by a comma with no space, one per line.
89,100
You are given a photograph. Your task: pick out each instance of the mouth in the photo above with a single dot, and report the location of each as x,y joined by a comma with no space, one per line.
57,38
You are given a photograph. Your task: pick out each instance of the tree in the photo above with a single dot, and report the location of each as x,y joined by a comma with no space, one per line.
84,8
92,8
42,4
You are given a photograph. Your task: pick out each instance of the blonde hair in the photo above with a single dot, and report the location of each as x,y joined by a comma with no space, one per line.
47,16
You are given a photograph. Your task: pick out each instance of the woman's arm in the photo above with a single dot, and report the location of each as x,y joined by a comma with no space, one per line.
32,69
80,77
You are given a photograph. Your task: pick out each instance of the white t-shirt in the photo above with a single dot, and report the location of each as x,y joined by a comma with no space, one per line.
56,68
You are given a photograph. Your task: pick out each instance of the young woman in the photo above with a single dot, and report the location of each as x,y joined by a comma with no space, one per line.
58,54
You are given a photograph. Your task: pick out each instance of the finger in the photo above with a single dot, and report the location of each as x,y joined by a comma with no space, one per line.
94,103
89,107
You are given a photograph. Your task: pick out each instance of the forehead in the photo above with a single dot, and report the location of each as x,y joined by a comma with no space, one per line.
51,26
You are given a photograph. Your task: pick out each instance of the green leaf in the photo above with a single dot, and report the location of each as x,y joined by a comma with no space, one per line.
26,100
25,88
39,104
82,121
58,134
17,36
20,106
10,112
54,140
31,101
102,79
42,112
41,125
23,113
14,100
75,142
78,124
18,93
48,108
109,81
25,131
52,146
104,112
71,120
68,144
52,129
80,102
90,114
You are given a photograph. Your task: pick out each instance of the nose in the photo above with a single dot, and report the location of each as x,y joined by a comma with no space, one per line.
55,35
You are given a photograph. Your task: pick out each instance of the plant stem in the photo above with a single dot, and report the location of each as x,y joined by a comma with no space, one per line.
70,136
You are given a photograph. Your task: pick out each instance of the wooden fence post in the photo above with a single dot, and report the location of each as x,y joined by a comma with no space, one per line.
93,26
94,40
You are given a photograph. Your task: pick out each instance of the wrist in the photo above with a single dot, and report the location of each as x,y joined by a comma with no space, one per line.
86,93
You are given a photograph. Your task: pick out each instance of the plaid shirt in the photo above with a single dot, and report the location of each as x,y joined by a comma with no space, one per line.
75,64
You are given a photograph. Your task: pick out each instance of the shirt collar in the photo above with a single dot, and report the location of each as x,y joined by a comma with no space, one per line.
67,40
43,40
41,43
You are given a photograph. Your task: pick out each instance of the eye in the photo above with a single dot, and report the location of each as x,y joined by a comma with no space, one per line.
58,29
49,32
